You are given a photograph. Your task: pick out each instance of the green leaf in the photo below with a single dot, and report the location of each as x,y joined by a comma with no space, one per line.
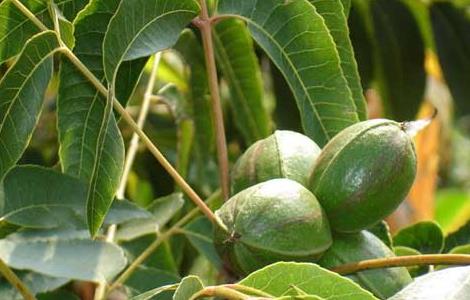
452,38
42,198
133,34
122,211
426,237
334,15
189,286
400,58
278,280
162,258
21,96
297,40
191,51
155,292
199,233
382,231
448,284
458,238
144,279
240,67
65,26
70,8
37,283
301,297
163,209
88,145
16,29
347,6
63,256
7,229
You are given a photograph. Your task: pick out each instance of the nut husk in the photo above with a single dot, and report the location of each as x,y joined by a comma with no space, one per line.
364,173
277,220
284,154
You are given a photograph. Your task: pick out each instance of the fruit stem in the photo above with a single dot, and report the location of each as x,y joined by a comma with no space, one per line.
204,23
403,261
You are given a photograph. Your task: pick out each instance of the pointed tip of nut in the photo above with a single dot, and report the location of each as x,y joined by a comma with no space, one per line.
412,128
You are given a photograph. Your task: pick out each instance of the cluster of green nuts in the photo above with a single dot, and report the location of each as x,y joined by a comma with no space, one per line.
293,201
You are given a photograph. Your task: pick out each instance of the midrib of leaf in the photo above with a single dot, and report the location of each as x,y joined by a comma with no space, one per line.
93,192
82,146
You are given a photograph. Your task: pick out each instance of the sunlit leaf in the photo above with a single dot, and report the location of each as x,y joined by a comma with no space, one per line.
278,280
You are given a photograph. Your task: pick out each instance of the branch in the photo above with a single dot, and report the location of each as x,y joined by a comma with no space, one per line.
220,291
134,143
205,25
403,261
160,239
185,187
127,118
130,156
11,277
